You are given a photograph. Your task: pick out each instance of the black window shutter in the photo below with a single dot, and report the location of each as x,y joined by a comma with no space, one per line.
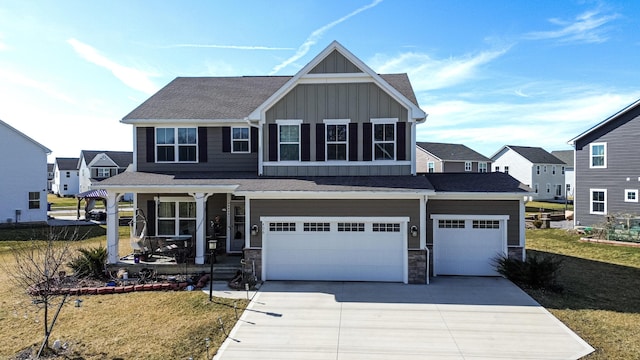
273,142
367,143
151,217
353,141
254,140
401,141
305,142
151,145
320,145
226,139
202,144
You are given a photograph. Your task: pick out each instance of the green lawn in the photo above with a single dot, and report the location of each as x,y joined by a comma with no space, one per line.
539,206
601,296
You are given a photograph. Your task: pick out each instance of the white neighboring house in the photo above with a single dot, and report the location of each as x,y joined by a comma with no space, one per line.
23,179
534,167
569,173
65,177
97,165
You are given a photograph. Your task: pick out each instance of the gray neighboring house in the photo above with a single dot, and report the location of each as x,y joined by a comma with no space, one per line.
310,177
442,157
97,165
569,174
535,167
607,166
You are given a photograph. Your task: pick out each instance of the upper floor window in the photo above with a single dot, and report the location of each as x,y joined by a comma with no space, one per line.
34,200
553,170
537,169
336,141
544,168
289,140
563,170
103,172
598,203
431,166
467,166
68,173
384,139
482,167
176,144
240,139
598,155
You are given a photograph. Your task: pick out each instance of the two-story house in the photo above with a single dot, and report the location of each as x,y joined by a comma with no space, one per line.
65,177
311,177
569,174
535,167
442,157
23,179
95,166
607,168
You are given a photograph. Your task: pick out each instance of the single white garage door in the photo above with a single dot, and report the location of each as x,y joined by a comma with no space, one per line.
334,249
464,245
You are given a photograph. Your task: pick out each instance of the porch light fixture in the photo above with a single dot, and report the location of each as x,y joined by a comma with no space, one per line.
254,230
414,231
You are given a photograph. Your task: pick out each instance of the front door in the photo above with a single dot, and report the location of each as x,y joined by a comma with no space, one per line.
237,234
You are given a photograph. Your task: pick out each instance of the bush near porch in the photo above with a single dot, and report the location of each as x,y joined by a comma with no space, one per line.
601,288
147,325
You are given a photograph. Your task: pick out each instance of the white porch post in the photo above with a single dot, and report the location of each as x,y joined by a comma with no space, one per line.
201,225
112,227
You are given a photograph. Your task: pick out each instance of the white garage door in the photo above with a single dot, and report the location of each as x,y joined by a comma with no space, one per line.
334,249
464,245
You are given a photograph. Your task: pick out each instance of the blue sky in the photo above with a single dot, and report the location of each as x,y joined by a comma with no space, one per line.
488,73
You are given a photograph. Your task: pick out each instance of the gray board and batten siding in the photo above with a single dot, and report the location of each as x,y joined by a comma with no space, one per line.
336,208
623,161
473,207
335,63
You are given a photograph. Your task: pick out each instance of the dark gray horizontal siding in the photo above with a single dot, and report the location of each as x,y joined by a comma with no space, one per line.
623,161
217,160
337,207
369,170
478,207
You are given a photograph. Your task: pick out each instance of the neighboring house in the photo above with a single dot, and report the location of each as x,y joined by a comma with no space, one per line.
50,175
95,166
535,167
23,179
607,165
569,174
440,157
65,177
311,177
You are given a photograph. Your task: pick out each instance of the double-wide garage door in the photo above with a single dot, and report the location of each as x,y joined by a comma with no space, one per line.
467,245
335,249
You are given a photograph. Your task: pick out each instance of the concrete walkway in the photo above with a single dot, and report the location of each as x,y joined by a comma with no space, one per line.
453,318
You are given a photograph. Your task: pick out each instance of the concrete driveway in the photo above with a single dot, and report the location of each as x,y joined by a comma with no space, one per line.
453,318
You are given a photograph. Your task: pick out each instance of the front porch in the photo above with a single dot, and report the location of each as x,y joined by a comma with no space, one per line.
224,269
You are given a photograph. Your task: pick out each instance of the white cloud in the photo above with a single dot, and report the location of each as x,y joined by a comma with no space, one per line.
134,78
316,35
16,78
427,73
586,27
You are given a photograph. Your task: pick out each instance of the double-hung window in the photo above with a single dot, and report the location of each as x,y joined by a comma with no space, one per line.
240,139
598,203
336,139
34,200
103,172
176,217
506,169
482,167
468,166
289,140
384,139
176,144
431,167
598,155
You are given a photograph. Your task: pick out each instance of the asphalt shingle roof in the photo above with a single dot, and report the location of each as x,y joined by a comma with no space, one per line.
456,152
121,158
226,98
565,155
67,163
536,155
492,182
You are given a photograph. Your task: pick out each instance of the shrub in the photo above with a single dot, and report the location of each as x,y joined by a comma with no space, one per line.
536,272
90,262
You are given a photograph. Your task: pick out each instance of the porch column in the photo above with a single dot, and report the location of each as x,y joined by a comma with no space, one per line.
201,225
112,227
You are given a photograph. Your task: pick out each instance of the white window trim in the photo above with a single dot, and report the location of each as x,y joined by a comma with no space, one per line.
591,191
431,166
537,169
482,165
553,169
102,169
626,195
506,169
247,140
288,122
344,122
176,200
548,188
591,166
536,188
384,121
176,145
468,166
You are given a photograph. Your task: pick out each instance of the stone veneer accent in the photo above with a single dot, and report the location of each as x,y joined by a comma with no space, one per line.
251,255
417,266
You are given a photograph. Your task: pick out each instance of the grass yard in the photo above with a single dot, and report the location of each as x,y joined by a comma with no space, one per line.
601,297
138,325
539,206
